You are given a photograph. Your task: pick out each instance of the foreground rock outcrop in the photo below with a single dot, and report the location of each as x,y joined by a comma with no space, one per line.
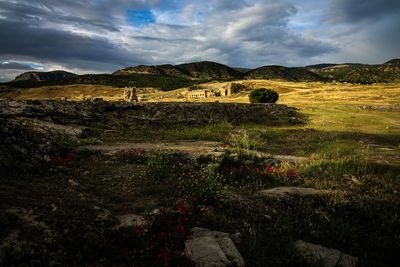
210,248
96,112
324,257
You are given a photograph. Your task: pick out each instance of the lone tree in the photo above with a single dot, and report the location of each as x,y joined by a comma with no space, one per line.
263,95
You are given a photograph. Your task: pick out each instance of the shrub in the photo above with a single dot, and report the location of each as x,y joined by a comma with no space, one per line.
263,95
241,139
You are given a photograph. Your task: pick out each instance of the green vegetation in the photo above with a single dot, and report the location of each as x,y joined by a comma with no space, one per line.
263,95
165,83
360,73
284,74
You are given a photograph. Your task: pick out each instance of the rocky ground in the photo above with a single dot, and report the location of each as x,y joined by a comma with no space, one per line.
70,198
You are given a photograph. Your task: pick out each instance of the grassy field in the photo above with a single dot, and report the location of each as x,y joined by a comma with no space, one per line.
352,153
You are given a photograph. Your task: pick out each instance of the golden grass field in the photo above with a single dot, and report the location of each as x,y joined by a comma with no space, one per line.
328,105
291,93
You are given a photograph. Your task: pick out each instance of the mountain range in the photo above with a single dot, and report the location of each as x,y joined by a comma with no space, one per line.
190,73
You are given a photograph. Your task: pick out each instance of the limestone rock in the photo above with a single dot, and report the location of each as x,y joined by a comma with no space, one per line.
209,248
130,220
327,257
289,191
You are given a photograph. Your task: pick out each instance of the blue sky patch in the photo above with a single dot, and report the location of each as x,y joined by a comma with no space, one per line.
140,18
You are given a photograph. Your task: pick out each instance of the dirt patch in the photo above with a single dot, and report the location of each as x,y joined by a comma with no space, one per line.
195,148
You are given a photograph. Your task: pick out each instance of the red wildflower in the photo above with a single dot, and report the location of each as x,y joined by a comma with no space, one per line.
162,235
270,169
181,205
180,228
139,230
130,153
257,169
164,256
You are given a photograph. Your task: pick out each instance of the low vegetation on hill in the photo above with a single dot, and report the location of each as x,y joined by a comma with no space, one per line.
207,70
284,74
360,73
163,70
165,83
36,76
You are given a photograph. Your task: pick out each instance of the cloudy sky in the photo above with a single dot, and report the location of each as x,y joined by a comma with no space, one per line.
92,36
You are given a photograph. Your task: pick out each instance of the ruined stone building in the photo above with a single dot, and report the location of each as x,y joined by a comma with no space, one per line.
130,94
201,93
227,90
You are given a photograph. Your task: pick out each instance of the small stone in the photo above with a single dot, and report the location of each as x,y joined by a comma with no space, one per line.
53,207
72,182
268,217
155,212
131,220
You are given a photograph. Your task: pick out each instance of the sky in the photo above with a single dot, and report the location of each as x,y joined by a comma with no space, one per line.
101,36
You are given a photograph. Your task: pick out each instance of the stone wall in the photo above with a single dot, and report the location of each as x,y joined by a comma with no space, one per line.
108,114
204,113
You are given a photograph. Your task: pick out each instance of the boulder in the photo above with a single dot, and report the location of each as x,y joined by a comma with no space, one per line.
324,257
210,248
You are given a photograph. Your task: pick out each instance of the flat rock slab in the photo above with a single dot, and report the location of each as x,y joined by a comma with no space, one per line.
289,158
212,249
130,220
196,148
324,257
289,191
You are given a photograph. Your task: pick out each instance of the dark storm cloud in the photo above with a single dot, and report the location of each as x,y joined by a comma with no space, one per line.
15,66
41,12
22,39
362,10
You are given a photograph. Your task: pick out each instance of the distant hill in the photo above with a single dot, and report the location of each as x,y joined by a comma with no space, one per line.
161,82
208,70
360,73
204,70
320,66
242,70
163,70
283,73
58,75
168,77
393,62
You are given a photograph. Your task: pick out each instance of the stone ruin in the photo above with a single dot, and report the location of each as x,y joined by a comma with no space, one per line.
130,94
227,90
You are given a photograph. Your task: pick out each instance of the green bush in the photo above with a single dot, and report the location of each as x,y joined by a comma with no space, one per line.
263,95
